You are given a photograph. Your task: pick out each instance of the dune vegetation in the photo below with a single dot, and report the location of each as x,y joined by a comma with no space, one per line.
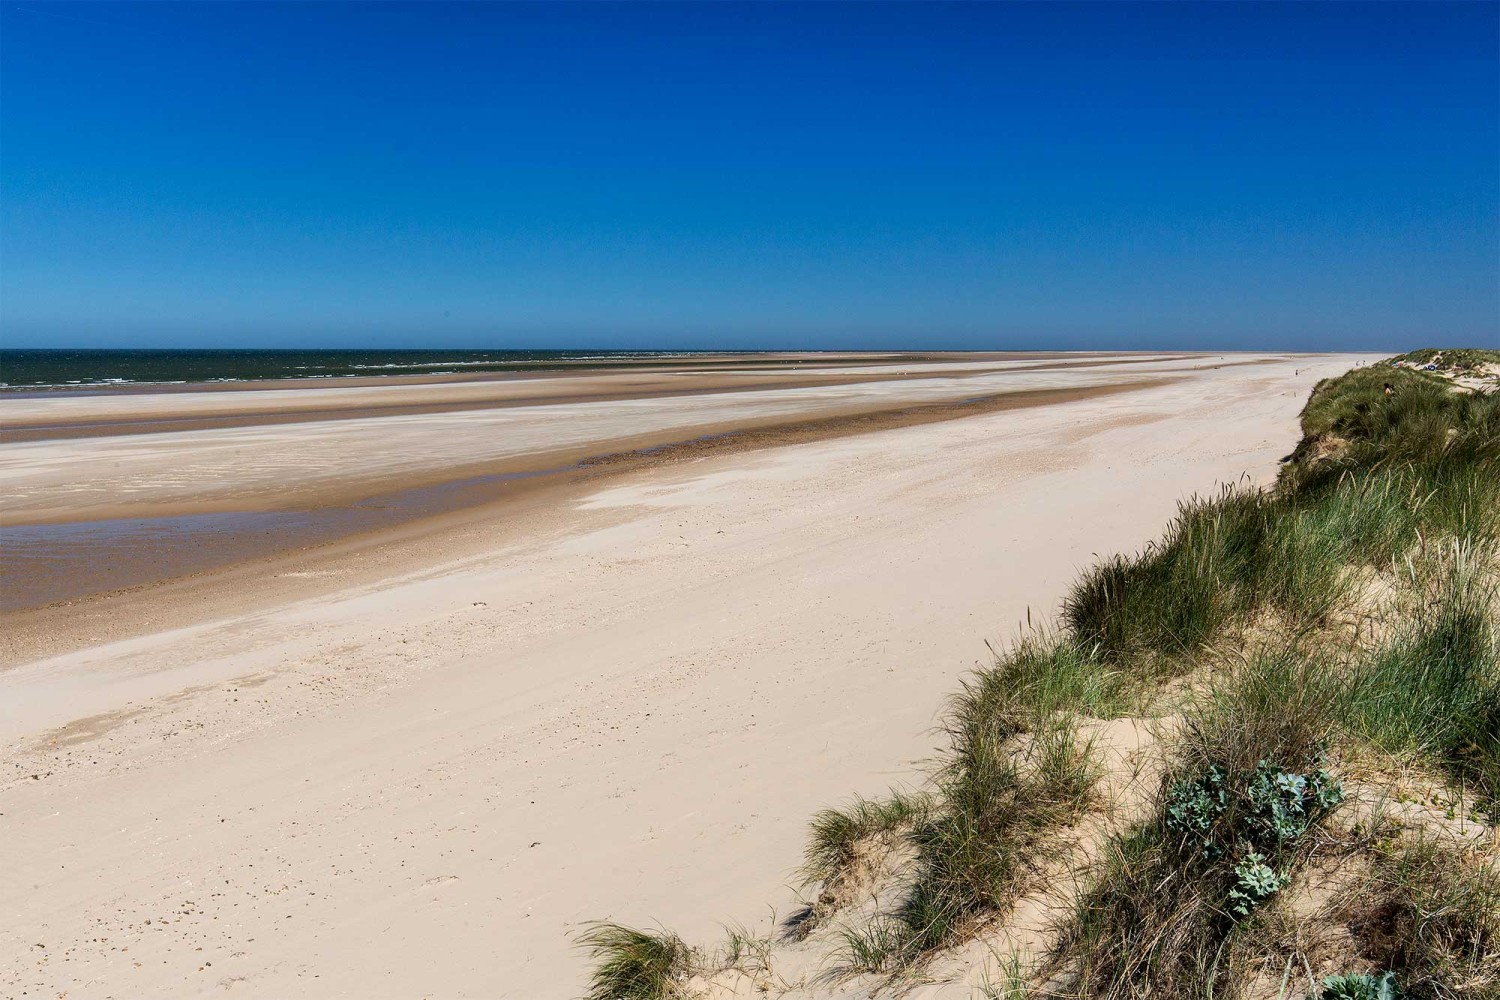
1259,758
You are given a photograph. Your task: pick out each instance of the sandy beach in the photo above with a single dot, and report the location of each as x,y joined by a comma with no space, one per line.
464,664
289,468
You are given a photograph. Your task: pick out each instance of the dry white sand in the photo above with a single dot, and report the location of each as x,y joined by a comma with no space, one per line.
421,787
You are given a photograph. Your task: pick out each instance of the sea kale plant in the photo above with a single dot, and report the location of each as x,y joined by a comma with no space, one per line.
1359,986
1286,804
1195,805
1251,821
1254,883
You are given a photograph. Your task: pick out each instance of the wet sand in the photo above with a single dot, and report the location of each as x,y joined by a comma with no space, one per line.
98,498
510,370
94,525
105,413
55,561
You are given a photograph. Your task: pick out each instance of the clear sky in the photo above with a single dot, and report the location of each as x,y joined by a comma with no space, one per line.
1225,175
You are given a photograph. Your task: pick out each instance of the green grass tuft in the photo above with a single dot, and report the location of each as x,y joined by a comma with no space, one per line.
632,964
1178,593
1377,477
1352,423
1433,691
974,858
833,848
1038,677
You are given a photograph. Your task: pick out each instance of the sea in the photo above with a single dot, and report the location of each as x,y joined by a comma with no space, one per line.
34,369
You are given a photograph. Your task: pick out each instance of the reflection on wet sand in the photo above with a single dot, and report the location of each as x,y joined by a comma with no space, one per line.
57,561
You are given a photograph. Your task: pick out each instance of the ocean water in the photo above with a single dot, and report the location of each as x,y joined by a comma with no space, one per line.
46,368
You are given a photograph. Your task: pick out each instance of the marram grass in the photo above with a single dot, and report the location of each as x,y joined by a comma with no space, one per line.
631,964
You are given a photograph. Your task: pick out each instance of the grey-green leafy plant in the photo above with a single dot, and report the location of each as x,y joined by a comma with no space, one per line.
1285,803
1194,805
1254,883
1270,809
1359,986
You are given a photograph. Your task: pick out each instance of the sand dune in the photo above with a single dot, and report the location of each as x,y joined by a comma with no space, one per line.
622,704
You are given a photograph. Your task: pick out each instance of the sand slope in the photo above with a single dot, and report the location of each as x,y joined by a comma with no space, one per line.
421,786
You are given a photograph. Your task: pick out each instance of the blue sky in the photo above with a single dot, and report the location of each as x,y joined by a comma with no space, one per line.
718,175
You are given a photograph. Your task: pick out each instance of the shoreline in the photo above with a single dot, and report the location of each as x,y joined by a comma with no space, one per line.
506,392
665,362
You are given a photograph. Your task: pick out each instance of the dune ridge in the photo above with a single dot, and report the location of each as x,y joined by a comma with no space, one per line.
1259,758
